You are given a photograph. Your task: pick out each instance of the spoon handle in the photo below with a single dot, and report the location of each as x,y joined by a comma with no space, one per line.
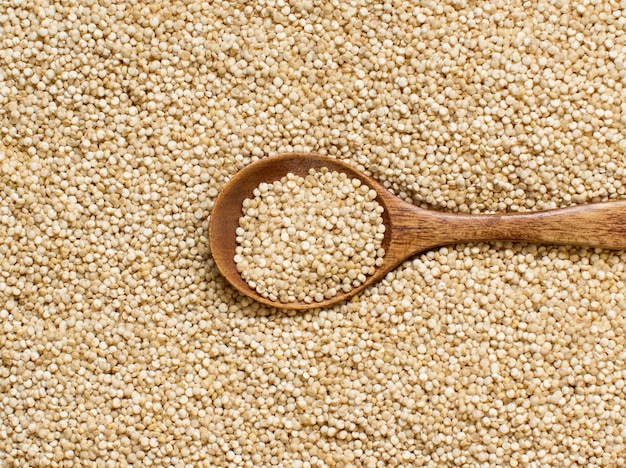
600,225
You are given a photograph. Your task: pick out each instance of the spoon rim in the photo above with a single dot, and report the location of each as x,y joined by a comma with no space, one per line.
227,209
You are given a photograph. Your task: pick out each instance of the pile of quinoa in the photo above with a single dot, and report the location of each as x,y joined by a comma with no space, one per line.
121,344
309,238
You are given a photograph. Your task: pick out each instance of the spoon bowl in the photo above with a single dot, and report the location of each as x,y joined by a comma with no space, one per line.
409,229
228,209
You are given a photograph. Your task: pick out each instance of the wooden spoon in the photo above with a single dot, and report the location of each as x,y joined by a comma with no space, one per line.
409,229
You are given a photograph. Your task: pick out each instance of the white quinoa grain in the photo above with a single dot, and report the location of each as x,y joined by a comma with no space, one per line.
328,249
121,344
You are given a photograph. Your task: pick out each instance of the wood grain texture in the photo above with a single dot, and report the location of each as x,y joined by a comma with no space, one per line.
410,229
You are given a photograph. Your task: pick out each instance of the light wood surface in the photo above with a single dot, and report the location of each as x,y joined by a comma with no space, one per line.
410,229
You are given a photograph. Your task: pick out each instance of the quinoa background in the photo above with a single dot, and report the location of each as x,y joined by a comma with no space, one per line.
121,344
